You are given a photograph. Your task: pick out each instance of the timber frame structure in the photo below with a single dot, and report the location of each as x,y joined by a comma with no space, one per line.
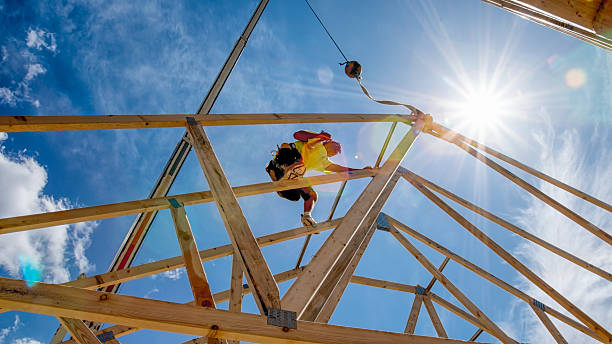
302,313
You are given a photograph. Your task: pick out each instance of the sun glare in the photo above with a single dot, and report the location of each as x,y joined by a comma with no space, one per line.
481,108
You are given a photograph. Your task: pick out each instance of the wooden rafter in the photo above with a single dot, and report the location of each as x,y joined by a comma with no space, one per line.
28,222
302,290
509,226
251,259
552,329
13,124
166,316
489,277
413,316
465,301
435,319
332,288
515,263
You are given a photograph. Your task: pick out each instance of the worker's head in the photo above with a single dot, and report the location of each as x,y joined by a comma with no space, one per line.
332,148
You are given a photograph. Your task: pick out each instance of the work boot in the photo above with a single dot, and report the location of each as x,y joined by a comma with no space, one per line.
307,220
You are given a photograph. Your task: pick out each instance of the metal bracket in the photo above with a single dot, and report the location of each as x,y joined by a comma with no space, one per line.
106,336
420,290
282,318
191,121
539,304
174,203
382,223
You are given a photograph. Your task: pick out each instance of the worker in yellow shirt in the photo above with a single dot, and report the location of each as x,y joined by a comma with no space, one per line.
292,160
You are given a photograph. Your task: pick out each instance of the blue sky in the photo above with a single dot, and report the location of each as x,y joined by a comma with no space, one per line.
544,96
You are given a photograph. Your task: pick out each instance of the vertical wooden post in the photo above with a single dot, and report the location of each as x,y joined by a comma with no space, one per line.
235,301
252,261
302,290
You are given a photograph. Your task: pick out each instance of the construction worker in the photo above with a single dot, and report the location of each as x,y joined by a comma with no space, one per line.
292,160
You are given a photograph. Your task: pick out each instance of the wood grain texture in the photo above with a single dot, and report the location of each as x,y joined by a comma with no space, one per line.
413,316
79,331
302,290
11,124
435,319
245,245
166,316
99,212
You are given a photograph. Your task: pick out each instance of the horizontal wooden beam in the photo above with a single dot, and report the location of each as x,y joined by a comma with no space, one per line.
222,296
98,122
99,212
172,317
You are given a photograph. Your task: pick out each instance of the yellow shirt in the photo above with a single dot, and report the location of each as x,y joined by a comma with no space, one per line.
315,157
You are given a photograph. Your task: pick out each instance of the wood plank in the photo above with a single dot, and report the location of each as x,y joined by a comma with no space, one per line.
302,290
584,223
552,329
515,263
219,297
433,279
413,317
235,301
99,212
488,276
193,263
435,319
166,316
245,245
326,299
79,331
11,124
448,133
602,22
465,301
580,12
509,226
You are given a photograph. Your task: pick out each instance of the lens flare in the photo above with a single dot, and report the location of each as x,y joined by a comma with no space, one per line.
30,269
575,78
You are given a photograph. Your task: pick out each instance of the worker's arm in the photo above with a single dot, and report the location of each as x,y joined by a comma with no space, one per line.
304,135
338,168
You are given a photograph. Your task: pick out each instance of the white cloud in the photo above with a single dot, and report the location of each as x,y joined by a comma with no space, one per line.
33,71
7,96
569,158
38,39
4,54
46,251
6,331
172,274
151,292
26,340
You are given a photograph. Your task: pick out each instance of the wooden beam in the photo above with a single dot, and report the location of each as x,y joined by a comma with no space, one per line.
433,279
79,331
219,297
11,124
435,319
413,317
465,301
235,301
193,263
489,277
600,233
171,317
245,245
326,299
509,226
451,134
28,222
552,329
304,288
515,263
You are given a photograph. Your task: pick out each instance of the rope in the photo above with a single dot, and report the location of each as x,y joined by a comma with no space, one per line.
324,28
386,102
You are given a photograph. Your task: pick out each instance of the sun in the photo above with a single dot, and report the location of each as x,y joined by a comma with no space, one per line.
482,108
